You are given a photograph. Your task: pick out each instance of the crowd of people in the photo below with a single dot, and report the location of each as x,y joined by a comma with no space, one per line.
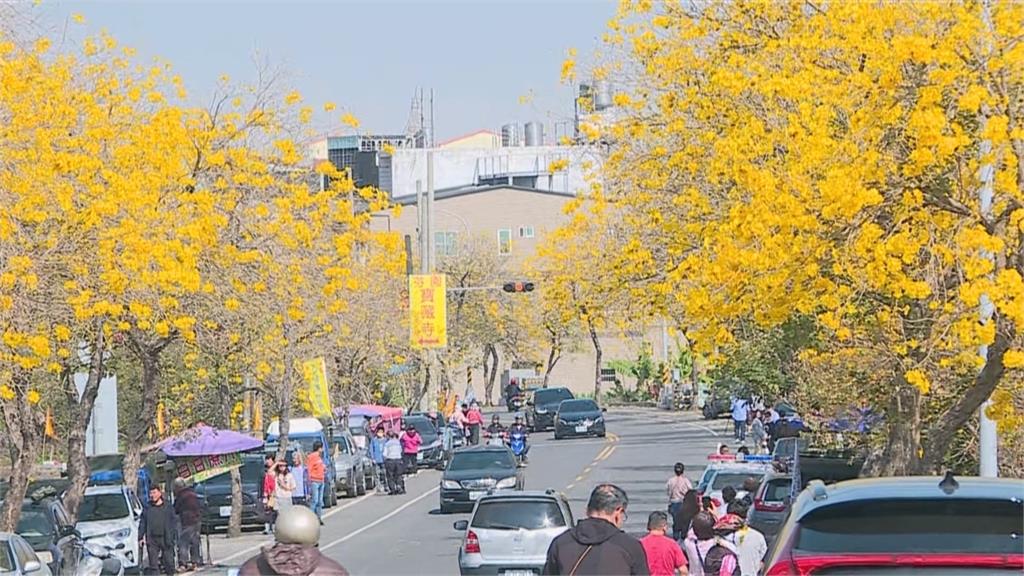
764,424
705,537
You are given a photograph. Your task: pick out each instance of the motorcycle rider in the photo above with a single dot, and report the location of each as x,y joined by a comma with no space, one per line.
294,552
512,391
518,427
495,429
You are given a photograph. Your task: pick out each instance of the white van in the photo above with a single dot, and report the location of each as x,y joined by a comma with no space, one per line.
109,516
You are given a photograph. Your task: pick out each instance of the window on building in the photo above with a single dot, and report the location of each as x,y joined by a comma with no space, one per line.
505,241
444,243
526,231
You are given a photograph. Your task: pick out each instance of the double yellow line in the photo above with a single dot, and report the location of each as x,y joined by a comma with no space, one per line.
603,455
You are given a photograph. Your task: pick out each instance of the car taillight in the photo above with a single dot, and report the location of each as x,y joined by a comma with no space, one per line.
800,565
472,543
763,506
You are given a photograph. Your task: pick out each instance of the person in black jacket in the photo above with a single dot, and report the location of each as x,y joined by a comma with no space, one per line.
156,529
597,545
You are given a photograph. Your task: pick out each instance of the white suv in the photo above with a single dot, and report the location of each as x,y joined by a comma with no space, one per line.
109,516
510,532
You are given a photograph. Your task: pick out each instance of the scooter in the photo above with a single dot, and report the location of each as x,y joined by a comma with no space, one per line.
99,560
514,403
517,442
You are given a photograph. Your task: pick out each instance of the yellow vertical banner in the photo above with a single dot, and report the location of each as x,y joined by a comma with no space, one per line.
428,313
315,373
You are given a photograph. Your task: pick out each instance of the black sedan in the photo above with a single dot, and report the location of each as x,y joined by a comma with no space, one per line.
475,471
542,407
579,418
215,495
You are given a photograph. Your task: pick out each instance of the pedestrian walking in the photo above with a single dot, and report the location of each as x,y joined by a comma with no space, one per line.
317,471
677,487
411,442
186,506
684,515
475,421
303,486
758,434
393,465
294,551
664,557
722,559
284,485
698,542
750,544
377,455
739,418
156,529
597,545
269,500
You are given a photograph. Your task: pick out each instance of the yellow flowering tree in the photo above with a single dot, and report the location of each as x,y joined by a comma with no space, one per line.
782,158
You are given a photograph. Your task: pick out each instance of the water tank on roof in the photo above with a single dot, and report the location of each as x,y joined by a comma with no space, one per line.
510,135
602,95
534,134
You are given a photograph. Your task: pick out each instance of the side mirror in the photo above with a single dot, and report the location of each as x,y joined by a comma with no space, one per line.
461,525
529,402
31,566
603,409
69,531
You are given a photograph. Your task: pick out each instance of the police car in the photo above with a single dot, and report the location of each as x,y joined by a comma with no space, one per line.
732,470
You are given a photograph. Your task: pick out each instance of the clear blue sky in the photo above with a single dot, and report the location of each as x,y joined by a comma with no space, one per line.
368,56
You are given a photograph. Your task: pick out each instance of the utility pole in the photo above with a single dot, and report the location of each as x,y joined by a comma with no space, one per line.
988,449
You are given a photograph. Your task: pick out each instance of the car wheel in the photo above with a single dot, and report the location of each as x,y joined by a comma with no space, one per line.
352,489
558,436
362,484
602,434
445,509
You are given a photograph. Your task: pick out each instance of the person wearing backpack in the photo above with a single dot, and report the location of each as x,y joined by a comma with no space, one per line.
722,559
699,541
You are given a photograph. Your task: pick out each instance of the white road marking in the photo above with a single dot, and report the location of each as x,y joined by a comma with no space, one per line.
252,549
384,518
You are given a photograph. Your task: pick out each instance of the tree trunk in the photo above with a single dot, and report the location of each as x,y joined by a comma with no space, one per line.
489,383
417,399
554,355
597,360
235,522
25,439
149,355
899,457
81,412
285,401
940,434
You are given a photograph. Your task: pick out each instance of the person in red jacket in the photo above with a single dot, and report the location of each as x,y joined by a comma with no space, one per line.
474,419
269,484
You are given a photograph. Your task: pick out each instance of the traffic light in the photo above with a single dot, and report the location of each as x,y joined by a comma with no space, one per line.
518,287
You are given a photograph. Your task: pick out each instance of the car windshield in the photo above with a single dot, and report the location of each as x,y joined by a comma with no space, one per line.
578,406
551,396
481,460
425,429
516,514
34,523
784,446
96,507
960,526
734,479
777,490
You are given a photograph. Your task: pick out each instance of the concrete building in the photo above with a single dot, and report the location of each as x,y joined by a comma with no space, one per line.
479,140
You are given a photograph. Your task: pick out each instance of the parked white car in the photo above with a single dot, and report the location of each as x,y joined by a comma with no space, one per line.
18,559
109,516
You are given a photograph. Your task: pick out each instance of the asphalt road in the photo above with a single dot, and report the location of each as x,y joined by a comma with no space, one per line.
386,535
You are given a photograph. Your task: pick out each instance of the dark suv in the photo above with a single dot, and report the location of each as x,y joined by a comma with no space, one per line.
540,414
903,525
215,495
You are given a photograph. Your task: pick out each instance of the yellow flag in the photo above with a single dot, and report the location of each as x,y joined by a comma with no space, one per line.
160,419
315,373
50,433
257,415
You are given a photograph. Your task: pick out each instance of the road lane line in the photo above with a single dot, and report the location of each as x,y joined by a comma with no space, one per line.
384,518
606,456
252,549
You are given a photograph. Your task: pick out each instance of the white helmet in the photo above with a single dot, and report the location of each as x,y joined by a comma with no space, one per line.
297,525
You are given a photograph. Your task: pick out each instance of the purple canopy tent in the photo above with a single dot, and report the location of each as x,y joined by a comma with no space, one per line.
203,440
